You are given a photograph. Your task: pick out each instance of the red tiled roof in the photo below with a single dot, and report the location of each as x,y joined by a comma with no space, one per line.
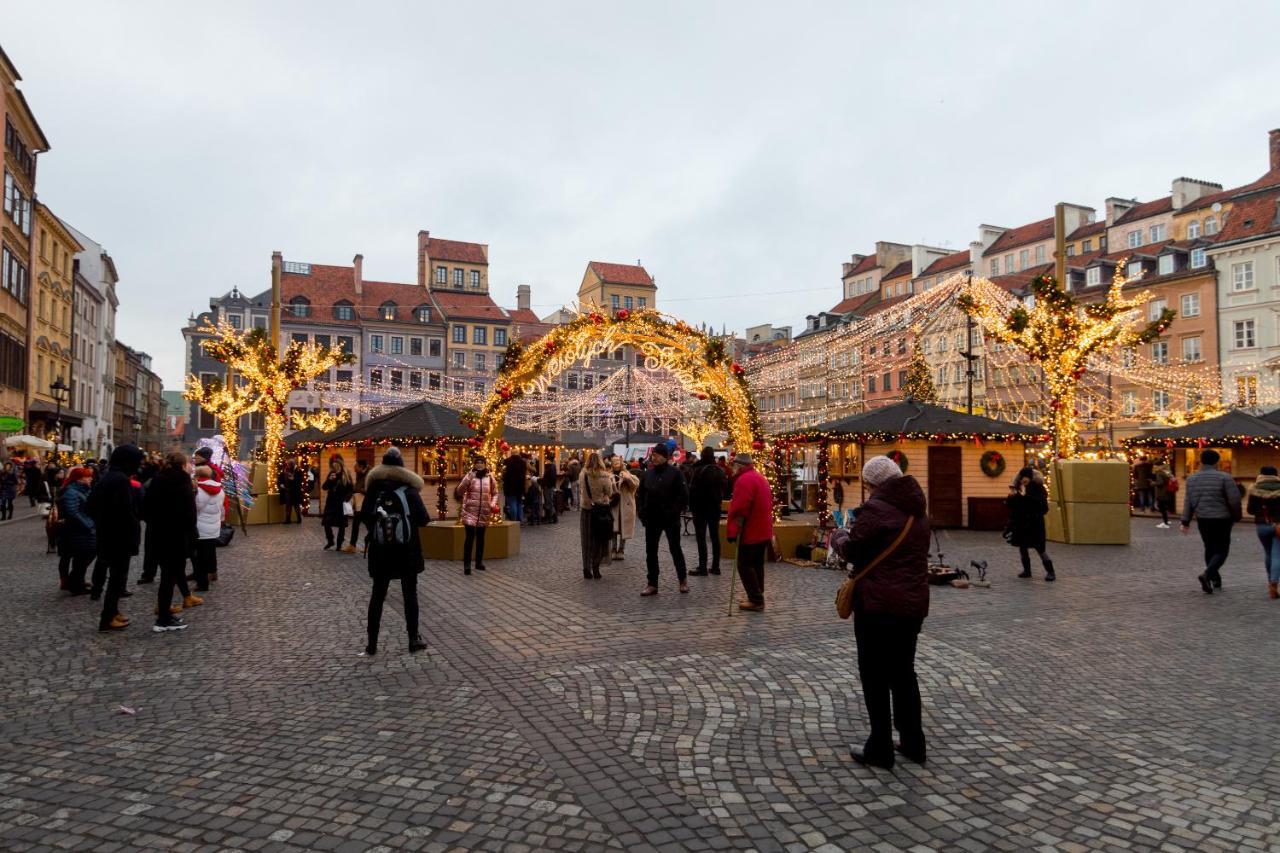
1021,236
867,264
948,262
1252,216
1270,179
887,303
325,287
458,251
1016,281
1087,230
1145,209
406,297
632,274
853,303
468,306
523,316
902,269
1084,259
1207,201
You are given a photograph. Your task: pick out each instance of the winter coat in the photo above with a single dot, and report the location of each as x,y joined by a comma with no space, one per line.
1160,482
514,470
1264,499
662,497
169,505
209,509
290,486
899,584
602,488
8,485
1026,516
32,480
359,480
475,498
751,510
549,475
77,536
339,493
1142,475
1211,494
115,506
624,514
706,488
394,561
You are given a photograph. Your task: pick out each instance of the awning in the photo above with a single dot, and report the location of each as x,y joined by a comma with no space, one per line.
40,410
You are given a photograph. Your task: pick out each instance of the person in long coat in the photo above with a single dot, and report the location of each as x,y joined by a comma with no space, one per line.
624,513
114,507
8,490
338,489
77,540
595,488
390,561
1028,504
169,505
476,496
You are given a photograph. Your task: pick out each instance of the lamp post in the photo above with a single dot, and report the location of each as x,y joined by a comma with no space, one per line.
137,433
60,391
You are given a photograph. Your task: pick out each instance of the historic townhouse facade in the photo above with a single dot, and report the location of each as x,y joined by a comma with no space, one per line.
52,323
94,380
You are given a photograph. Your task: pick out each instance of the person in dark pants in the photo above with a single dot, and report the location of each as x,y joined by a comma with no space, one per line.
113,506
476,496
548,482
889,545
339,489
1214,499
362,471
661,499
707,484
514,472
393,511
211,504
750,524
8,489
169,506
1028,504
77,540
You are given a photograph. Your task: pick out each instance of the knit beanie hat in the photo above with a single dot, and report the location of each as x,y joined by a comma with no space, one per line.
393,456
880,469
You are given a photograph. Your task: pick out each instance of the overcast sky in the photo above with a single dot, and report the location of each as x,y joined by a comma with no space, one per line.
742,151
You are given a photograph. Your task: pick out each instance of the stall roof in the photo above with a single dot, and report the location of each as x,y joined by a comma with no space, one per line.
578,440
420,423
1234,429
310,435
913,419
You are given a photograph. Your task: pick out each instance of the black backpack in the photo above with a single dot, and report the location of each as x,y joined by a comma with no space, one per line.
391,518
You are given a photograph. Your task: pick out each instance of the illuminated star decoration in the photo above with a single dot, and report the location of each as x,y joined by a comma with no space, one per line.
1059,335
269,378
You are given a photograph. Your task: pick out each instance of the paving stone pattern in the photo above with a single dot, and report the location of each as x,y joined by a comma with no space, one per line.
1119,708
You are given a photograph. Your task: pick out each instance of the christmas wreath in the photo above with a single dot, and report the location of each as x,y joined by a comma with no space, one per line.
899,457
992,463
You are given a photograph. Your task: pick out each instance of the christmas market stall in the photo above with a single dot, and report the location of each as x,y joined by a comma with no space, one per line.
438,446
1244,444
964,462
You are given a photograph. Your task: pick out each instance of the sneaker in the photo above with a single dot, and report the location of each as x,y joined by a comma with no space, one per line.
329,546
175,625
1162,526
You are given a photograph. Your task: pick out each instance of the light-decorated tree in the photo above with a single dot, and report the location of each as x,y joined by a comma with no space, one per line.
227,403
1059,334
268,378
323,420
919,385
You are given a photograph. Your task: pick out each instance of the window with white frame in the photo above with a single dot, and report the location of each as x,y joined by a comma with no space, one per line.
475,279
1190,305
480,362
1166,264
397,345
1024,257
1199,258
1247,390
459,334
1086,246
1160,352
1134,269
1157,233
1135,238
1008,263
1193,229
1039,254
460,360
457,278
1129,403
442,275
1244,334
1210,226
995,266
499,337
415,346
1191,349
1093,276
480,335
1160,400
1242,276
1156,307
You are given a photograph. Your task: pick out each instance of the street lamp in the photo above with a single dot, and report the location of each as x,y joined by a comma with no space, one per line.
60,392
137,433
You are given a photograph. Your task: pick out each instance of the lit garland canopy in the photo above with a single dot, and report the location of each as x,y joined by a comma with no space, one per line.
913,419
1059,335
697,361
1234,429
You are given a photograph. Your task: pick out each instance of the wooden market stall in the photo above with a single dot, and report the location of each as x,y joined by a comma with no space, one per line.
1243,441
964,462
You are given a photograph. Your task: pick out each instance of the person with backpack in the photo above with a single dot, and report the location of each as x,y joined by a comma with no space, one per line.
598,495
393,513
477,496
1166,490
1264,506
707,485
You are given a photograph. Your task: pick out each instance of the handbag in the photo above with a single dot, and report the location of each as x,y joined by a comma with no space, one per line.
225,535
348,509
601,514
844,596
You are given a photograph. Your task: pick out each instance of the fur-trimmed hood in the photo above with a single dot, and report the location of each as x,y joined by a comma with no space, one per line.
394,473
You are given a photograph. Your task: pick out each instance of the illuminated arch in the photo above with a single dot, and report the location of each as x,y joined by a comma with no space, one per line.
698,361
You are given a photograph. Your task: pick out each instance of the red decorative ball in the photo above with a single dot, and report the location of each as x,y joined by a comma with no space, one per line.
701,396
757,445
624,314
550,346
737,368
596,317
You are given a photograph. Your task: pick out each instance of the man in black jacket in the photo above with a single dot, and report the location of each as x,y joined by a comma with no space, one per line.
113,506
663,495
706,491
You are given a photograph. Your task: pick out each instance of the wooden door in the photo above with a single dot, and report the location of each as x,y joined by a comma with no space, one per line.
944,486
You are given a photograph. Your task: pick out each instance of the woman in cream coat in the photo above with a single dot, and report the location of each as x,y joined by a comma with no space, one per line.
625,512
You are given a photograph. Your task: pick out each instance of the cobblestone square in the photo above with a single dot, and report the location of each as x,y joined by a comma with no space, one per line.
1119,708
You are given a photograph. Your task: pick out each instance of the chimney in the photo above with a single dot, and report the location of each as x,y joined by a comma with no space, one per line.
1118,207
424,274
853,261
1186,190
523,293
357,264
1275,150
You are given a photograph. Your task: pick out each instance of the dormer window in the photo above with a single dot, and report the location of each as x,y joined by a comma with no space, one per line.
300,306
1166,264
387,310
344,310
422,314
1134,269
1093,276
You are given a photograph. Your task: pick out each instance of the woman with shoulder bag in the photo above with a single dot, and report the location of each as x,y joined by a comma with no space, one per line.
1264,506
477,495
596,491
888,546
340,490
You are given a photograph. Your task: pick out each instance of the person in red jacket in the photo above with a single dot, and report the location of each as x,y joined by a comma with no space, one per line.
750,524
890,603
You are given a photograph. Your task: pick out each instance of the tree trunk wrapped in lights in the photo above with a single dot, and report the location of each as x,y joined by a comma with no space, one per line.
1059,334
268,379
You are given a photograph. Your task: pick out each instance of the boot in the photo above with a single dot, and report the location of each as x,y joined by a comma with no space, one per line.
192,601
586,573
466,569
1048,571
416,645
1273,590
117,623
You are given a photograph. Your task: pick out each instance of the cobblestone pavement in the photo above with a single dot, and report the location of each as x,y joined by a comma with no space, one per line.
1118,708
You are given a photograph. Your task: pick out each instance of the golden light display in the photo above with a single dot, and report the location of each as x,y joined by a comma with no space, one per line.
227,403
696,429
268,378
323,420
698,362
1059,335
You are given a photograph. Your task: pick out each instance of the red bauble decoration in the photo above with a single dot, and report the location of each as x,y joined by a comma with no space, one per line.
737,369
701,396
757,445
624,314
505,446
596,317
550,346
